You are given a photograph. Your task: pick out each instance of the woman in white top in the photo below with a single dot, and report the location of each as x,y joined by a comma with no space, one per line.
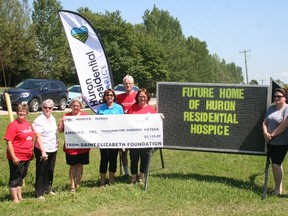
45,149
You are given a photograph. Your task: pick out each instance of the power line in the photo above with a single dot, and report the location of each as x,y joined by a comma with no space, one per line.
213,28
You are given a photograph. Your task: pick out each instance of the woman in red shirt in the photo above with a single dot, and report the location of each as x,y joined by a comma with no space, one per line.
19,138
140,107
76,158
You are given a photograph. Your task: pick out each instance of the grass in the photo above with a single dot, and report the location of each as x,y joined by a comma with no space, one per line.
192,183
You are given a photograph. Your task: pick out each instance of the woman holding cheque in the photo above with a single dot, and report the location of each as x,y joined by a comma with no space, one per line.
109,107
76,158
45,149
140,107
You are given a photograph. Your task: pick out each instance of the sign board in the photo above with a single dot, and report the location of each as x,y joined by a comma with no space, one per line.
114,131
213,117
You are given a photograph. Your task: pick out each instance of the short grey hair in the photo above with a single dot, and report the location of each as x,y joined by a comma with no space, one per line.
49,102
129,78
77,100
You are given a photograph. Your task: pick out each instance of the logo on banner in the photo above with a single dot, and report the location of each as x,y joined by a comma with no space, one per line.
95,75
80,34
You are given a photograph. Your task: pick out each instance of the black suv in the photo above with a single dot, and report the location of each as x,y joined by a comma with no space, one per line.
35,91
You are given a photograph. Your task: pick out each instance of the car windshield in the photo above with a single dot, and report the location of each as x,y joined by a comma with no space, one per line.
76,89
122,88
30,84
119,88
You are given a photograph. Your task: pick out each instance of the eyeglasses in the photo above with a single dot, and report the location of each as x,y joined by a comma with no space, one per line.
109,95
278,96
47,108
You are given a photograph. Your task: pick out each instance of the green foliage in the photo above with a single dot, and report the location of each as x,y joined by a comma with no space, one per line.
280,83
187,60
167,32
152,67
225,73
152,51
253,82
52,46
118,39
16,41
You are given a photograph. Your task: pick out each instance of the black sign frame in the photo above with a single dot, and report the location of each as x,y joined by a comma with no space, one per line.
213,117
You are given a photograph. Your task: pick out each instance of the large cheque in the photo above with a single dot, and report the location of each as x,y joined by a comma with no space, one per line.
114,131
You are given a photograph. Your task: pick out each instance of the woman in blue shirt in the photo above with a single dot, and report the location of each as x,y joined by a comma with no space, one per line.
109,107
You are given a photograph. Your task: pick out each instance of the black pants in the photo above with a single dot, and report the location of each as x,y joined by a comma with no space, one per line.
44,172
135,155
17,173
108,156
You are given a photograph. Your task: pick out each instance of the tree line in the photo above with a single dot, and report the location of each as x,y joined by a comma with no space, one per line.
33,45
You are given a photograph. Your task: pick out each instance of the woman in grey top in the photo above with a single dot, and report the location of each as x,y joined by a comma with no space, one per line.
277,143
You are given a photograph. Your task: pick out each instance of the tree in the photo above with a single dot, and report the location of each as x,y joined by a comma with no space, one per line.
129,49
152,51
200,65
54,56
16,41
118,39
152,64
187,60
253,82
167,31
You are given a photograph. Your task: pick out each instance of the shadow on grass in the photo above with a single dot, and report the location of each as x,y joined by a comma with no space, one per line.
63,188
246,185
96,183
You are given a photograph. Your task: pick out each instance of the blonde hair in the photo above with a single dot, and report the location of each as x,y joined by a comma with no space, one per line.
22,106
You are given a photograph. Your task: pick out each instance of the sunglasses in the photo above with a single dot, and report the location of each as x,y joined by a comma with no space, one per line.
47,108
109,95
278,96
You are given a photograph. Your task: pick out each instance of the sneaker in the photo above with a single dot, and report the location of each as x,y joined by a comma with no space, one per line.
41,198
48,190
52,193
140,181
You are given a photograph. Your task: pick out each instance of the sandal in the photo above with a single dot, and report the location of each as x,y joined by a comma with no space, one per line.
72,190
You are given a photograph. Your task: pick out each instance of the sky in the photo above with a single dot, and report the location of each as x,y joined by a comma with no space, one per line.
230,29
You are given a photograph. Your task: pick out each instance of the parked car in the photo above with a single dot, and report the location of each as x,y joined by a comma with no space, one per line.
73,92
34,91
119,89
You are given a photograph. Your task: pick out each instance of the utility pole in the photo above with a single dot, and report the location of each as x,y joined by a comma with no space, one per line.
262,81
245,51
